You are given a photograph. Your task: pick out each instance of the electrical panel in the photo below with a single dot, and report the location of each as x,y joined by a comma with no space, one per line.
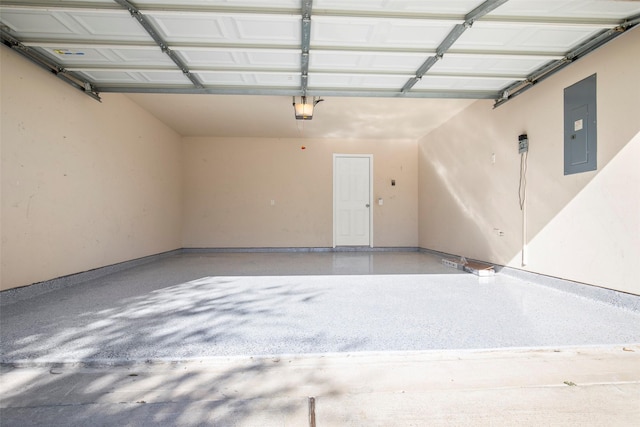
580,133
523,143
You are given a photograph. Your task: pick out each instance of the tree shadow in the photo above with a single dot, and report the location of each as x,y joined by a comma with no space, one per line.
159,351
173,346
249,391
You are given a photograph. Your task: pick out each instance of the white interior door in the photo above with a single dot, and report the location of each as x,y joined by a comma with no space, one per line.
352,200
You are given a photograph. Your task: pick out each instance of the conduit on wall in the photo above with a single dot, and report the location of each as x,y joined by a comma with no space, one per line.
522,198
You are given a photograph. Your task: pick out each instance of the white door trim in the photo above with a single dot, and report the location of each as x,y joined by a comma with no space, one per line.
370,157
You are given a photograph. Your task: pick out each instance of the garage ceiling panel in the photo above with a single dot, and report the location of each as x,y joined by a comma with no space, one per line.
272,4
491,64
553,9
107,56
227,28
519,37
138,78
217,58
246,58
367,32
392,48
26,22
272,58
79,56
320,80
193,27
458,7
108,24
150,56
281,80
366,61
164,77
461,83
73,24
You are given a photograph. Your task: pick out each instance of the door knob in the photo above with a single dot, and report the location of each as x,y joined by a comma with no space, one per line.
367,205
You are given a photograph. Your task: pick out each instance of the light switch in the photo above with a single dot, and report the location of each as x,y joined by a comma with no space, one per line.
380,201
273,202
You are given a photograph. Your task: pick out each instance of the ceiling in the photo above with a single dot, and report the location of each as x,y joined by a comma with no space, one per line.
272,116
352,53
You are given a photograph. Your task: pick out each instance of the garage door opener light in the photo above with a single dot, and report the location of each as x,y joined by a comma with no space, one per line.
304,109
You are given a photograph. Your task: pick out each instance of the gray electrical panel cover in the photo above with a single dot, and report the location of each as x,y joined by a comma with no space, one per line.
580,133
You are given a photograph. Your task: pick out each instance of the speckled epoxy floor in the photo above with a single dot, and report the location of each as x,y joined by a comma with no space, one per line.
192,306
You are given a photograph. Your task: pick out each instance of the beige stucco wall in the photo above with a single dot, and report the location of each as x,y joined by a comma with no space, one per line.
230,182
84,184
583,227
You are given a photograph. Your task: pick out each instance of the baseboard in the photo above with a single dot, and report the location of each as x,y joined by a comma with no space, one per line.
252,250
12,295
301,249
608,296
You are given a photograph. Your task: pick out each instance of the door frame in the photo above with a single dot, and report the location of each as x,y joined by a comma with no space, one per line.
370,157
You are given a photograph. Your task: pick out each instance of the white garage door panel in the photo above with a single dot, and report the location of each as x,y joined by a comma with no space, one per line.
487,64
369,48
279,4
319,80
610,9
227,28
461,83
366,61
132,77
522,37
87,56
250,79
458,7
242,58
73,24
338,31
